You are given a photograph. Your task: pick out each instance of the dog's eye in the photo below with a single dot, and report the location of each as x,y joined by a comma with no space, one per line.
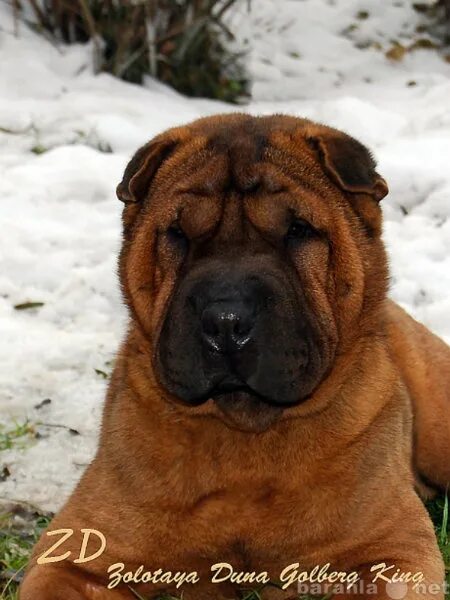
176,235
299,230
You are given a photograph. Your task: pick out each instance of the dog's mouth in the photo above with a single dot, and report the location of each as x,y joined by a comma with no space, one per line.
245,409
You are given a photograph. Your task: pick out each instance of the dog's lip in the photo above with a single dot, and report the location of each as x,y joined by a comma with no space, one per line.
226,388
246,410
235,391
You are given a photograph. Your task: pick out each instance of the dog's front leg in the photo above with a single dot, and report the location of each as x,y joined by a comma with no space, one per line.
46,582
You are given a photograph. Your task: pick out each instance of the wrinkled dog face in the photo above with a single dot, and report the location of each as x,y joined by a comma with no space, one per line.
244,261
239,321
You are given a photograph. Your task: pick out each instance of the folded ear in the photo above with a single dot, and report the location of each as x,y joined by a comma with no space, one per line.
142,168
348,163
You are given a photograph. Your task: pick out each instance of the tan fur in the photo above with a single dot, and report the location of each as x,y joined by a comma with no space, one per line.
332,481
423,361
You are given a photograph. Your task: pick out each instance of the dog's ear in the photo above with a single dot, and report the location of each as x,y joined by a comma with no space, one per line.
348,163
142,167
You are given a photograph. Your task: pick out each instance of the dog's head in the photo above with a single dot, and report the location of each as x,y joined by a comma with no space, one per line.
252,258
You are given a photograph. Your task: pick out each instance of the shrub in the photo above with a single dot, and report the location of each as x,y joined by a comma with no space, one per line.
184,43
436,19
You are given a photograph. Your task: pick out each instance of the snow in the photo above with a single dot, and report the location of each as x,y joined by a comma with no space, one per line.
61,222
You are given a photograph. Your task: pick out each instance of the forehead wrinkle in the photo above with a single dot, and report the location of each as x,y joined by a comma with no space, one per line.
242,148
293,199
180,164
279,182
302,170
210,178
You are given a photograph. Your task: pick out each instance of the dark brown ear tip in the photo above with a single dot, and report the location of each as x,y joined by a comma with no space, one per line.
381,189
123,194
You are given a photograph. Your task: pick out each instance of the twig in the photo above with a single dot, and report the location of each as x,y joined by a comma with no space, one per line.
92,32
10,580
16,10
225,8
41,16
151,38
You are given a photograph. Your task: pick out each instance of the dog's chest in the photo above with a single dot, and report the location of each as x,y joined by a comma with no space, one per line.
258,526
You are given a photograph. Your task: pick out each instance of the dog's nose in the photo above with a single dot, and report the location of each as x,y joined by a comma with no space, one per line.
227,326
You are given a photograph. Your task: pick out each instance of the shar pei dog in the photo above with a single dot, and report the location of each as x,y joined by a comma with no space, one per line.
271,414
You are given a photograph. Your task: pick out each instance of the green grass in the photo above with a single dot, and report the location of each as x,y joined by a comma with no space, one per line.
439,510
19,533
16,435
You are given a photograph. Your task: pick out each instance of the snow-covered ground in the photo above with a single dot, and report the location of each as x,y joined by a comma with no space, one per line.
65,137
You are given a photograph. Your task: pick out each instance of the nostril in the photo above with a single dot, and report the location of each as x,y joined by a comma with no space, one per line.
210,327
226,328
241,327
